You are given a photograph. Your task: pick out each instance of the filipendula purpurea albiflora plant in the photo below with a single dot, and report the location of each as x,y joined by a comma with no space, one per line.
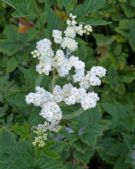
62,61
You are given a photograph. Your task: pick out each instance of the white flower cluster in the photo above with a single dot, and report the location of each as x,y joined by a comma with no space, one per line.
49,108
73,29
62,61
92,77
71,95
41,133
44,53
50,60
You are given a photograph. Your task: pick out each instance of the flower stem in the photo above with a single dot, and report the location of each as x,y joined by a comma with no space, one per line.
39,80
53,80
73,115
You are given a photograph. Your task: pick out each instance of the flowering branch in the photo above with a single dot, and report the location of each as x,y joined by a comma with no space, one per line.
61,61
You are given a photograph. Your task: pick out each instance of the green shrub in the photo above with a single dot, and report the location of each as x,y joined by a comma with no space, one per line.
105,134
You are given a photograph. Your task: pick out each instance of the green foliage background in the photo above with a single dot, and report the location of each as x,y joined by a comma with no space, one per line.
105,135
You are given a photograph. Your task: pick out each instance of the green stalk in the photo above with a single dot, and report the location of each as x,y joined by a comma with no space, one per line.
39,80
73,115
53,80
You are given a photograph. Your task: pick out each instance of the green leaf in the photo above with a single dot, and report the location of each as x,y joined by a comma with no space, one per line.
34,117
120,163
51,153
17,100
84,157
13,155
93,133
131,36
22,7
86,53
129,11
117,112
3,110
102,40
89,117
30,77
68,4
127,75
132,3
94,21
118,149
89,6
104,146
15,41
22,130
123,27
20,155
127,29
46,163
41,22
7,87
80,146
53,20
70,165
9,47
11,65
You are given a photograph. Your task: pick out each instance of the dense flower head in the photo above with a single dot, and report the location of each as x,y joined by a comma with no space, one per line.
90,100
43,45
70,44
65,64
70,32
98,71
51,112
57,93
57,35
